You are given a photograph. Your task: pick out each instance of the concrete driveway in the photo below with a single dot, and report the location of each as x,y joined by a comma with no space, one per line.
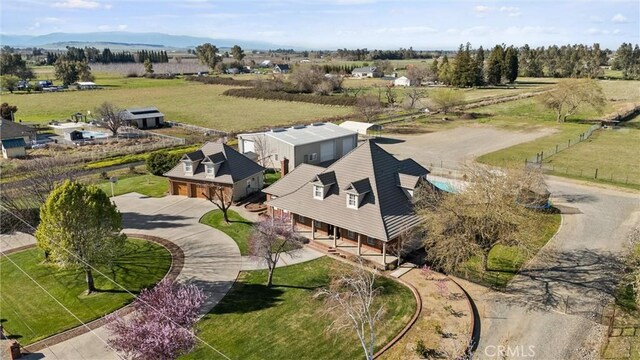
457,146
212,259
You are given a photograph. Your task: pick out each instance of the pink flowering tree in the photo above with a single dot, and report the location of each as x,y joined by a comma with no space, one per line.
161,327
270,238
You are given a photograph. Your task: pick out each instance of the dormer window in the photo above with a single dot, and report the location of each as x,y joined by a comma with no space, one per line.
352,201
209,169
318,192
188,167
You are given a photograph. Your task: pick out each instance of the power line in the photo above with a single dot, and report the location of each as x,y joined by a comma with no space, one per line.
57,301
120,286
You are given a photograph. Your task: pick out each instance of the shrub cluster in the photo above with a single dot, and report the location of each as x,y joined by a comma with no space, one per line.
160,162
160,76
286,96
215,80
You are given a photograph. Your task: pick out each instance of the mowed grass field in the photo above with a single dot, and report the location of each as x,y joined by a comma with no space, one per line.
179,100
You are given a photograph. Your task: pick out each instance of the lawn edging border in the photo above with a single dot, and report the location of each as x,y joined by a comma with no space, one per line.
177,263
411,322
475,328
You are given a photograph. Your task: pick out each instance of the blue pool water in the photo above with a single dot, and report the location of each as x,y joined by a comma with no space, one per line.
442,185
94,135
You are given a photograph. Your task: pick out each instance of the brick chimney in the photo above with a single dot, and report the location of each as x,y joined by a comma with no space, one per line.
284,166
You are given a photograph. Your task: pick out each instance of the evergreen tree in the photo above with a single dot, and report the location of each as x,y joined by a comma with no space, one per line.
495,66
444,73
511,64
479,67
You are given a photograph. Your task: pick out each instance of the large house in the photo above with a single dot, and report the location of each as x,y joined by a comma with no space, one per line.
367,72
215,166
143,118
362,202
286,148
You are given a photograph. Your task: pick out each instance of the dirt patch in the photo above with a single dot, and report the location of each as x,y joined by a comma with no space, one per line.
444,324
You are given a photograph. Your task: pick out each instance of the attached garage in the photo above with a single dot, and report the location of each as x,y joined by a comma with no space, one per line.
179,188
248,146
198,191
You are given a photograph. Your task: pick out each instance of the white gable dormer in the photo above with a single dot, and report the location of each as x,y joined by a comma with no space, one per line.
322,183
188,166
212,165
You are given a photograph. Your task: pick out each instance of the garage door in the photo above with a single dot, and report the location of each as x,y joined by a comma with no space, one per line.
347,145
327,151
180,188
248,145
198,191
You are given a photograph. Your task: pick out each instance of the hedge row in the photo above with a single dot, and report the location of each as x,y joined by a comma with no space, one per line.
285,96
126,159
216,80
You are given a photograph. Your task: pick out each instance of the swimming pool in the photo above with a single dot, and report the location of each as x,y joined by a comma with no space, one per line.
443,185
94,135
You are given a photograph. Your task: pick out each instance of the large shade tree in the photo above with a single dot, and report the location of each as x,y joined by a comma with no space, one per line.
208,55
571,95
80,227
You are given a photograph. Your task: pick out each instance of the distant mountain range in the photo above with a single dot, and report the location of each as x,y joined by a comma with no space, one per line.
126,39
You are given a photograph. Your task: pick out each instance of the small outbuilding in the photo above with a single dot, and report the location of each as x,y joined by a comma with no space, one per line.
402,81
362,128
143,118
13,148
85,85
367,72
73,135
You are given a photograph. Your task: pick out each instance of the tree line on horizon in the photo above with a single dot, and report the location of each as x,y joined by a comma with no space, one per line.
106,56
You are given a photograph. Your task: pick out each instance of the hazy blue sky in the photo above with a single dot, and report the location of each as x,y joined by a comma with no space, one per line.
340,23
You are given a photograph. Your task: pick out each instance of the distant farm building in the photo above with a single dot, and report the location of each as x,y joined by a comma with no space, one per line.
13,148
367,72
281,69
143,118
85,85
402,81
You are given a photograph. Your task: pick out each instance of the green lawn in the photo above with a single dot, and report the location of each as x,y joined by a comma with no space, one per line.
286,322
238,229
32,315
179,100
613,152
150,185
270,178
505,261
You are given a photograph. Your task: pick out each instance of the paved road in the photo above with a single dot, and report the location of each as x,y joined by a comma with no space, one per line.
555,304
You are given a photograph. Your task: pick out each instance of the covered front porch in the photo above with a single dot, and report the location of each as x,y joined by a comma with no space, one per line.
334,239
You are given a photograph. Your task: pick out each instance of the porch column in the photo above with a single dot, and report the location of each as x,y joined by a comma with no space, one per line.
313,229
359,244
293,221
384,254
335,236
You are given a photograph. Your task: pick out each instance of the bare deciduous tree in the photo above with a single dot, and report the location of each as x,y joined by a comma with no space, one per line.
495,208
219,197
270,238
352,299
412,98
416,74
391,95
569,95
263,150
446,99
111,117
369,107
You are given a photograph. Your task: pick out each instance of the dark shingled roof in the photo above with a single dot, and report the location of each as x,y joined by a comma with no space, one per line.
301,175
234,168
326,178
11,129
360,187
13,143
383,213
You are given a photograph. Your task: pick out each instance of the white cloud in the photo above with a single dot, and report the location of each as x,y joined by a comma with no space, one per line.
270,33
481,9
35,26
123,27
616,32
104,27
80,4
619,18
596,31
52,20
511,11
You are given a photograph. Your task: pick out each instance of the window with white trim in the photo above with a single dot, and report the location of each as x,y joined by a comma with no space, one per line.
352,201
351,234
209,169
318,192
371,241
188,167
